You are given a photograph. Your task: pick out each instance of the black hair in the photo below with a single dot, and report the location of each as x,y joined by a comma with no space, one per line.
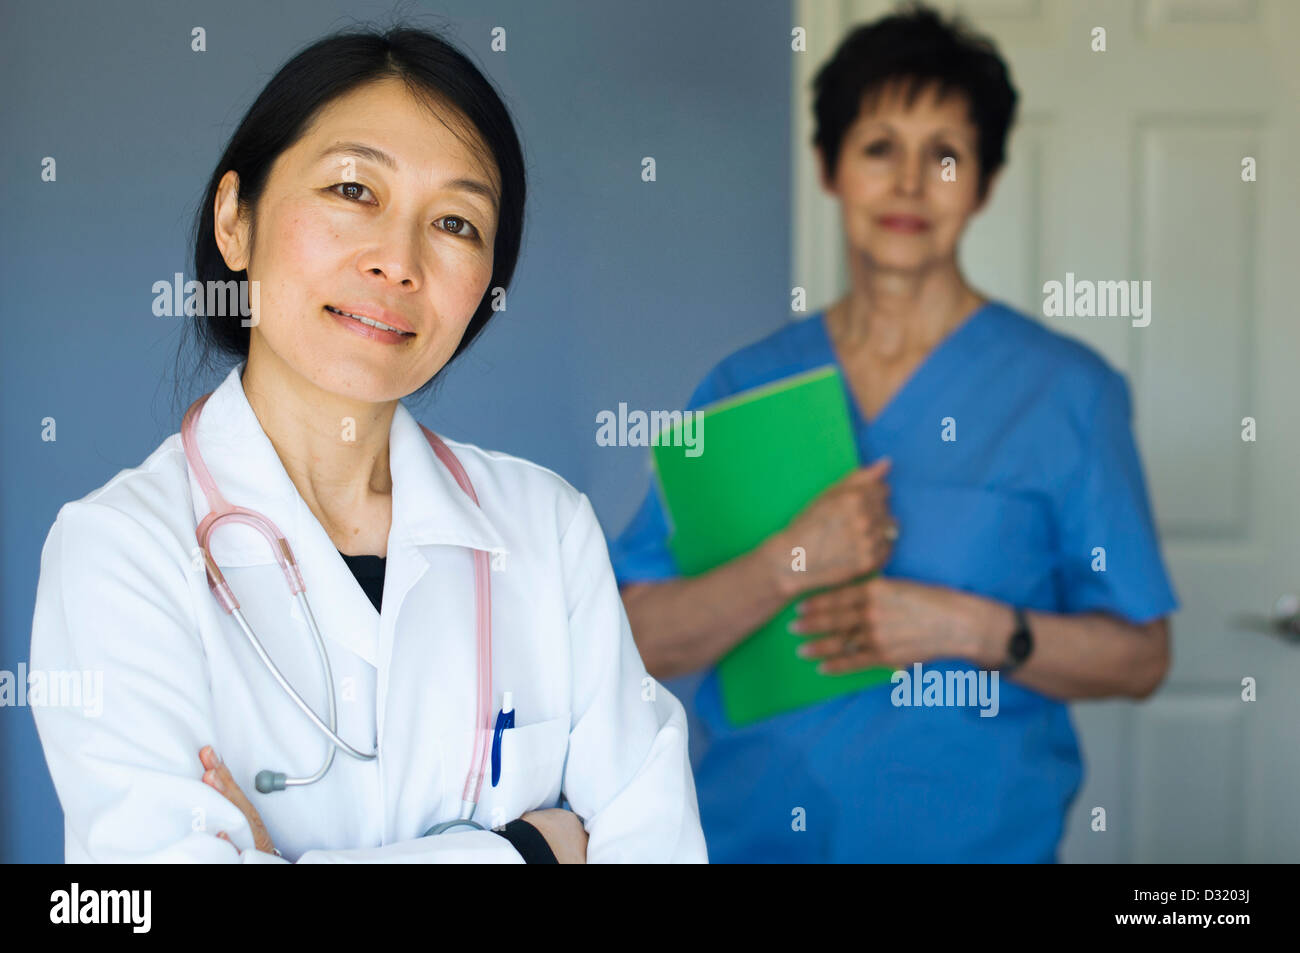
434,71
916,46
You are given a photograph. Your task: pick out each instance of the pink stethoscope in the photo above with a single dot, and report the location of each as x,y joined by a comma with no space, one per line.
220,511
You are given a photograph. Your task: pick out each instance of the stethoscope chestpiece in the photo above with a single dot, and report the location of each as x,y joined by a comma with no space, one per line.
268,781
446,826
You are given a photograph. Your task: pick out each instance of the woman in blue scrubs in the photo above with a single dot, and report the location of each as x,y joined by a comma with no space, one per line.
1001,498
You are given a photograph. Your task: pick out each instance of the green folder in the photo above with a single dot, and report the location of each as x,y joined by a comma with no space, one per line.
760,458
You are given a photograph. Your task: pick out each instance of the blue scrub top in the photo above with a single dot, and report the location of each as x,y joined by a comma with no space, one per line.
1043,471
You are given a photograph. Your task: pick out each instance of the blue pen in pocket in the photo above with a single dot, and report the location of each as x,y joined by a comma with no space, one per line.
505,719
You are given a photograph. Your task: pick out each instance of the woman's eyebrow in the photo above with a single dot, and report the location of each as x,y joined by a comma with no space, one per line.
473,186
362,151
941,131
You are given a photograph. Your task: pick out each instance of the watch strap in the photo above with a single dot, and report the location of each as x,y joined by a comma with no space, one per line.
529,841
1019,645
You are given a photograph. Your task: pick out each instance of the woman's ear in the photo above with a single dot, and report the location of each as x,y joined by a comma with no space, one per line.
231,229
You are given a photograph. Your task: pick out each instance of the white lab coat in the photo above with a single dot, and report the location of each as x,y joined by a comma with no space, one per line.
121,592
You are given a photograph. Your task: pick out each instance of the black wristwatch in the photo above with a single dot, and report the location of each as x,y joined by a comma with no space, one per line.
1020,646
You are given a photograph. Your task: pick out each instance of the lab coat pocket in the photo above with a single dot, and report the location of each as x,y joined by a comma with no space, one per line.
532,770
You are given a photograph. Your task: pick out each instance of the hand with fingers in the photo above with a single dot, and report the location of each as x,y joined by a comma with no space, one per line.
217,776
889,622
846,532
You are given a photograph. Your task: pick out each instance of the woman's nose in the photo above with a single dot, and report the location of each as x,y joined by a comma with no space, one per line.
909,175
395,256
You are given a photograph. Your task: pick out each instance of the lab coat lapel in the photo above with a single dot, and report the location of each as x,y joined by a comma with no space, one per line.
248,472
429,510
434,509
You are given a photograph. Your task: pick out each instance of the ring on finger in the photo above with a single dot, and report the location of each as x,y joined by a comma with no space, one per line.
853,642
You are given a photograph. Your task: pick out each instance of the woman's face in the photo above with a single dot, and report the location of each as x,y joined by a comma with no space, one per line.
378,210
898,210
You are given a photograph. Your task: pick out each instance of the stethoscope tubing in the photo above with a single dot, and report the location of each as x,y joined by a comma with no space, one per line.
221,510
327,730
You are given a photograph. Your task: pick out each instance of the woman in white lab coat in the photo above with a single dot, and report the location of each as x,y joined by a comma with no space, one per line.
373,199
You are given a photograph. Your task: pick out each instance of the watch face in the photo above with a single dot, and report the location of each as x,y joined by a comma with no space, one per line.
1020,644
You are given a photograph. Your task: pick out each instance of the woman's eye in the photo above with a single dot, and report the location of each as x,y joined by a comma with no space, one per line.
458,226
356,188
943,152
878,148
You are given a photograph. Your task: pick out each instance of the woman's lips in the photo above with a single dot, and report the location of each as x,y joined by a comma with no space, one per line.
903,223
366,330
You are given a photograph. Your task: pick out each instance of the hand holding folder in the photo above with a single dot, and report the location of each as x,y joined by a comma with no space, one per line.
770,452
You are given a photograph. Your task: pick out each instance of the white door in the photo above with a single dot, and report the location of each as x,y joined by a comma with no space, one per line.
1127,164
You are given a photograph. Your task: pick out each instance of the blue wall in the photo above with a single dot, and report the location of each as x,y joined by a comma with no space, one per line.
626,291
